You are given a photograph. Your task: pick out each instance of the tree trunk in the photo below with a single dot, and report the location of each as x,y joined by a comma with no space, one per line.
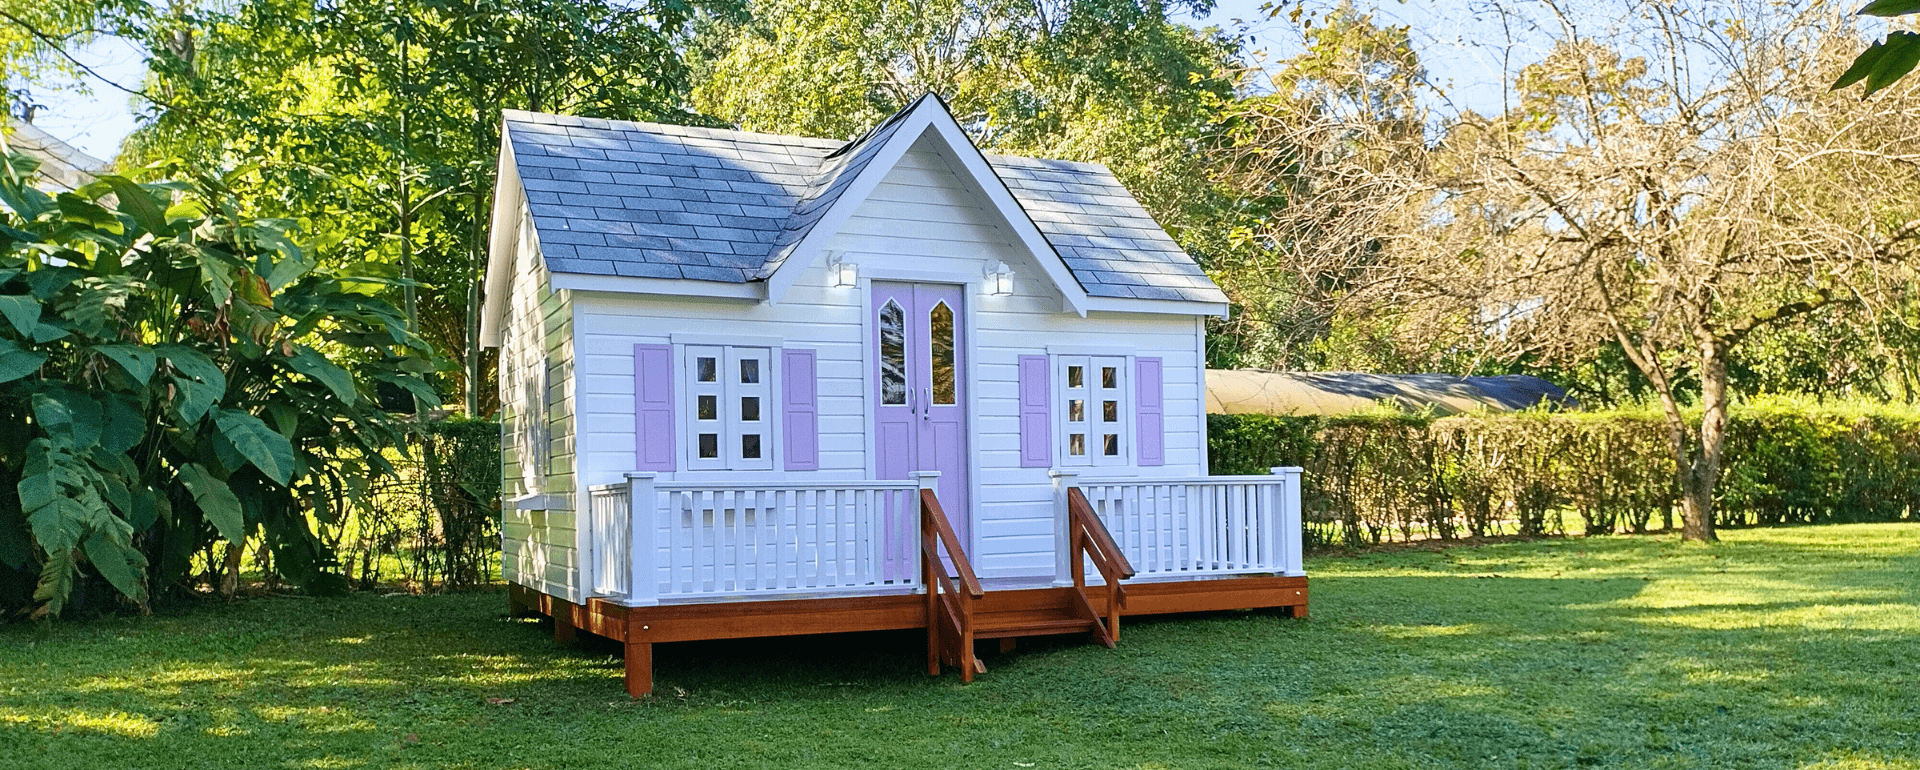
1702,475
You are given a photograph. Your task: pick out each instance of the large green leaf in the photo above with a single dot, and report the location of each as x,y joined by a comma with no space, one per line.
1884,62
309,362
120,563
17,362
1891,7
124,427
70,418
26,201
217,502
81,211
266,449
138,203
23,311
201,383
56,582
138,362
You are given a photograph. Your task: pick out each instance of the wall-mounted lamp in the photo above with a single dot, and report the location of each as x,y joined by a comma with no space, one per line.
1000,280
845,274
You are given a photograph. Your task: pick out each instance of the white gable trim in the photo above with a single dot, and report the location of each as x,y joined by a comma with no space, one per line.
673,287
1160,306
930,118
508,203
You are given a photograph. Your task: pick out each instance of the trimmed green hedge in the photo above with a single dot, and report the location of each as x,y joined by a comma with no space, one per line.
1391,476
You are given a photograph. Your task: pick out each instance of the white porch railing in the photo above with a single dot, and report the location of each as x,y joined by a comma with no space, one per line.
1210,525
717,540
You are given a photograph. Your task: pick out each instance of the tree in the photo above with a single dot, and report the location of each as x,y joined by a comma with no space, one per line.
175,373
1321,146
1620,204
378,123
1112,81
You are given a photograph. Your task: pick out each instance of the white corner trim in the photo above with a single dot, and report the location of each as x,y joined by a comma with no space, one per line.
502,230
624,284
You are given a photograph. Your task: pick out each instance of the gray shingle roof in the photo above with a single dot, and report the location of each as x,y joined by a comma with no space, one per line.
622,198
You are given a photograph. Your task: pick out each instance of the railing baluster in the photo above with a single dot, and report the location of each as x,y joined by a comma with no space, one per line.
869,538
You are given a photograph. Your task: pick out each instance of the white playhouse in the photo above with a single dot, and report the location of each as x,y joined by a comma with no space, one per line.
760,385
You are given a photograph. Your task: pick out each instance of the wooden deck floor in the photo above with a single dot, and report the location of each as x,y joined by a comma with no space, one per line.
639,628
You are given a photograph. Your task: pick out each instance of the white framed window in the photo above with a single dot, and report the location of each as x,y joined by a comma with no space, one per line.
1095,410
729,407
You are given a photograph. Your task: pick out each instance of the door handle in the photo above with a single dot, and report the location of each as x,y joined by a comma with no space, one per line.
926,403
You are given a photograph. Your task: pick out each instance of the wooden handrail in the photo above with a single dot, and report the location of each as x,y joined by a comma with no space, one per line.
1090,540
1079,508
949,599
937,518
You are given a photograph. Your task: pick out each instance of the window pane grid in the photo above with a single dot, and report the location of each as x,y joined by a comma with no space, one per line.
728,392
1094,425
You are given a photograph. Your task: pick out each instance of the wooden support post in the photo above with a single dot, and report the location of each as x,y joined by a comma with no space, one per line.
929,580
563,629
639,669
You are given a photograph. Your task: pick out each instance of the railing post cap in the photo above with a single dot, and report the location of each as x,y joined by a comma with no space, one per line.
646,475
1062,473
925,474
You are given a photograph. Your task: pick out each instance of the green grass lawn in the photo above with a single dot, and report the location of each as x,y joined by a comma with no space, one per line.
1783,648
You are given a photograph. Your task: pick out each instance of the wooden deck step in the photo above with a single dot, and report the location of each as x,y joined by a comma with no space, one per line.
1000,625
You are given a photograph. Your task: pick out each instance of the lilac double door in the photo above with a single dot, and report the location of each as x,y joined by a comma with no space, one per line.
920,394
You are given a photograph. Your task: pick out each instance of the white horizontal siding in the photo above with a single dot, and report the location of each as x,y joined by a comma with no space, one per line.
921,222
539,549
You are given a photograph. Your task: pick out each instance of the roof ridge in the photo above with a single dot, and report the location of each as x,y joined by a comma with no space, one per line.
672,129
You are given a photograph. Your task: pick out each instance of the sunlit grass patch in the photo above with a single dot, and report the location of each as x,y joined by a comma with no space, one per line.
1789,648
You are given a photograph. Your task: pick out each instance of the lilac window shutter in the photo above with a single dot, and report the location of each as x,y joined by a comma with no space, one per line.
1148,409
801,411
653,407
1036,415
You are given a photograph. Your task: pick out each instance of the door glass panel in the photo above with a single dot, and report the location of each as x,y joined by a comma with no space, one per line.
749,371
709,407
1109,376
1077,444
1076,410
709,445
749,408
706,369
1110,411
1075,376
940,321
893,354
750,446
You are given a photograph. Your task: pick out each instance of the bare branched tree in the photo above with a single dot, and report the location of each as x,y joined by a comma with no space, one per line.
1625,196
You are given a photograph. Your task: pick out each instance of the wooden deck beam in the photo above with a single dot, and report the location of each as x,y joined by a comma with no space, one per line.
639,628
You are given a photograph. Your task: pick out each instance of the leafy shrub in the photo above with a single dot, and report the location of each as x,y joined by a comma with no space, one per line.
1389,475
435,522
174,375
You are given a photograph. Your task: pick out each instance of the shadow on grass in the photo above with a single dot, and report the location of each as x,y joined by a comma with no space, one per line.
1776,654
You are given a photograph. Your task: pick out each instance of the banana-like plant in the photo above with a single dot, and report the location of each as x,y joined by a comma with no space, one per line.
174,374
